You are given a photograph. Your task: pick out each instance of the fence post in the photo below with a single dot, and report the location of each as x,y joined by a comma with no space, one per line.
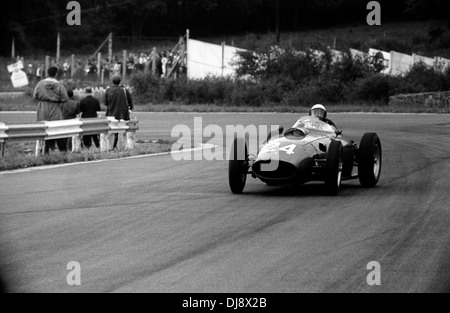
72,66
47,65
124,66
154,52
188,34
183,52
392,63
13,48
110,47
58,47
223,58
99,65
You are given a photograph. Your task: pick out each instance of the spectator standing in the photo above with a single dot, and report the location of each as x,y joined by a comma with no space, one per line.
30,73
164,61
118,103
130,65
39,71
51,95
117,68
66,68
89,107
71,109
92,68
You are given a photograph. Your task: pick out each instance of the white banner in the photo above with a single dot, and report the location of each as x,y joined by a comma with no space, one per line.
15,66
19,79
206,59
400,63
421,59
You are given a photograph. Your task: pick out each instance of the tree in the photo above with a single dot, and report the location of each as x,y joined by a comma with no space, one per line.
428,8
139,12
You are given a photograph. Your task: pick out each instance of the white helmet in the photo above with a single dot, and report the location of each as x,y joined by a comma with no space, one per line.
318,111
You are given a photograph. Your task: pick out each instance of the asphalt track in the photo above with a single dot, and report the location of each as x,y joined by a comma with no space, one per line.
156,225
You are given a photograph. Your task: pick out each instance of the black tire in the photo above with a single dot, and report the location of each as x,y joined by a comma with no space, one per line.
238,166
369,160
333,168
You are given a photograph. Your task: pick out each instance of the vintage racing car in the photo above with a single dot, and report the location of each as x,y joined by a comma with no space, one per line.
311,150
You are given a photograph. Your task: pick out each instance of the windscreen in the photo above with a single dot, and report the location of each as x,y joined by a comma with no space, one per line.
313,123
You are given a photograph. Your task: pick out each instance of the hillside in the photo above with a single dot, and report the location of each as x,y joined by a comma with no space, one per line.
431,38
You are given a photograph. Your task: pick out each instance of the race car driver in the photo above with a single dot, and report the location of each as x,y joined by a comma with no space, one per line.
320,112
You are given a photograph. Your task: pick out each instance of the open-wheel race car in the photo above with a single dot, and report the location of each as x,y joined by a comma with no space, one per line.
310,151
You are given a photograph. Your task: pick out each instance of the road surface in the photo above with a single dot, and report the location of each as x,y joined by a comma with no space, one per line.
156,225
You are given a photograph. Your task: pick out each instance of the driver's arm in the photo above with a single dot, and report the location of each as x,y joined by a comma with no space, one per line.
330,122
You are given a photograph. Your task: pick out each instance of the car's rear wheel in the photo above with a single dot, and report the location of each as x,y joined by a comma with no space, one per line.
369,160
238,166
334,166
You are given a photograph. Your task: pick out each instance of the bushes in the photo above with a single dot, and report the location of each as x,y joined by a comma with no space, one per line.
150,89
422,78
376,88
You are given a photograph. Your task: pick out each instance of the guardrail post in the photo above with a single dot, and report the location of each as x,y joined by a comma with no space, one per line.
76,144
131,140
122,140
2,149
39,147
104,142
131,134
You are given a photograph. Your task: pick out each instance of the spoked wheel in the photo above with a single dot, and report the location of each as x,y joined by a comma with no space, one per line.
238,166
370,160
334,167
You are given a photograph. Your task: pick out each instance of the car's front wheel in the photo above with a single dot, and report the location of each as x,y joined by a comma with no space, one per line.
334,166
238,166
369,160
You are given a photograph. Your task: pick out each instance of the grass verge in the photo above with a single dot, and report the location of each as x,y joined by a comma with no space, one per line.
333,108
20,155
29,105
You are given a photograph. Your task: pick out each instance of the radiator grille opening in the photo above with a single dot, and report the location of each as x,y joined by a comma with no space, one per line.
284,170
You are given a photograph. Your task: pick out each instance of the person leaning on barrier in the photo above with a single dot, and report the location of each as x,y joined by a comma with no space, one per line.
51,95
89,108
71,109
118,104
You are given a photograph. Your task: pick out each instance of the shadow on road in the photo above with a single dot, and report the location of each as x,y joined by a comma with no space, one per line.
307,190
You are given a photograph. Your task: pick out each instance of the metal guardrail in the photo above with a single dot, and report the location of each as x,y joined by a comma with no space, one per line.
75,128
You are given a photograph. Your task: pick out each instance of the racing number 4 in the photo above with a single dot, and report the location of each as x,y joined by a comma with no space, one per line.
273,147
289,149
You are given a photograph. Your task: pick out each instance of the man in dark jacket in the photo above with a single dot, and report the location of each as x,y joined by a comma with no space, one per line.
118,102
72,108
89,107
